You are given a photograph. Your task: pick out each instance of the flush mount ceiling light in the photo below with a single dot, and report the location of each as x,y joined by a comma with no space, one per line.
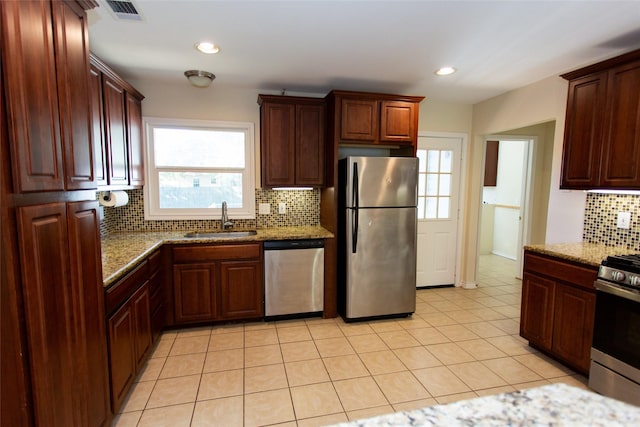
207,47
199,78
444,71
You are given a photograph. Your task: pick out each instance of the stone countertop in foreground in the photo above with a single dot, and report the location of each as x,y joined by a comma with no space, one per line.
550,405
123,251
585,253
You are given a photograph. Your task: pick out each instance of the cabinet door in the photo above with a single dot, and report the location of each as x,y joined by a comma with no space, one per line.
48,311
536,317
142,324
583,132
29,73
241,294
194,292
134,138
310,125
398,121
88,291
115,132
122,357
97,126
620,166
359,121
573,325
72,65
278,124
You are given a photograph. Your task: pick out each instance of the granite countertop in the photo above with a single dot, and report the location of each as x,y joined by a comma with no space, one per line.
550,405
123,251
585,253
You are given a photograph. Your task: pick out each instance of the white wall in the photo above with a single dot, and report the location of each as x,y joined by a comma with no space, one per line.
540,102
506,199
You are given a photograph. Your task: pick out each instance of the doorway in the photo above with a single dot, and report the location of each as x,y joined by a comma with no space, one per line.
504,215
438,209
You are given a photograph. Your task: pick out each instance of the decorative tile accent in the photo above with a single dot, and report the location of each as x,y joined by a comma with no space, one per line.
600,218
303,208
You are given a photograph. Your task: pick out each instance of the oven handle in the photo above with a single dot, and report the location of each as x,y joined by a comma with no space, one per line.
617,291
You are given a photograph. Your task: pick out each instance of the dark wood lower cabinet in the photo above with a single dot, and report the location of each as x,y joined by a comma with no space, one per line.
241,289
558,303
64,317
537,314
129,343
194,293
122,357
217,282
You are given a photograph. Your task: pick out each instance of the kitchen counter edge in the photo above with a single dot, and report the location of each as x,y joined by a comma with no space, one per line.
584,253
554,404
122,251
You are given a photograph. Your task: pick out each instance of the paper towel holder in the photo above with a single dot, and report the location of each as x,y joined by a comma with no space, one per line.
105,195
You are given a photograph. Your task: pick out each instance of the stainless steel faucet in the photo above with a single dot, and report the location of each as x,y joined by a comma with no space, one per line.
226,224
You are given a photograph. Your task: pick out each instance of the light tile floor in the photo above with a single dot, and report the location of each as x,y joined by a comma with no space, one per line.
460,343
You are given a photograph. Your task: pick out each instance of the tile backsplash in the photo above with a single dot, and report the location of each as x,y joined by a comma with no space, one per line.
601,215
303,208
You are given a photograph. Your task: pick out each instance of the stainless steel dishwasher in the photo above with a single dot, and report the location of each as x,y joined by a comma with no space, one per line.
294,277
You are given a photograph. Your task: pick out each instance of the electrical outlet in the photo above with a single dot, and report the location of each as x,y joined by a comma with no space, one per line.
264,208
282,208
624,220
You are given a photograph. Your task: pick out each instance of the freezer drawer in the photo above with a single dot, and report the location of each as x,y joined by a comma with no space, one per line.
294,277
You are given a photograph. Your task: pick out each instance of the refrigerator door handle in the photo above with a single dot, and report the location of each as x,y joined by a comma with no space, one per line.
354,211
354,228
354,183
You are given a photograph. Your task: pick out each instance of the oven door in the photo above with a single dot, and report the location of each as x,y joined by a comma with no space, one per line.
617,323
615,352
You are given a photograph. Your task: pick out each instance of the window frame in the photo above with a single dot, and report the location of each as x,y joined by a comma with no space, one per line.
152,210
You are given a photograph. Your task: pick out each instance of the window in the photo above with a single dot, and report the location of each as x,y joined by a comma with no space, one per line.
434,184
193,166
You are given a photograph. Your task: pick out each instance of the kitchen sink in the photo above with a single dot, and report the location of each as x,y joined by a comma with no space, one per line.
220,234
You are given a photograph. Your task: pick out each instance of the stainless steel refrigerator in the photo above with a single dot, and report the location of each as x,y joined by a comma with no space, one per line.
377,236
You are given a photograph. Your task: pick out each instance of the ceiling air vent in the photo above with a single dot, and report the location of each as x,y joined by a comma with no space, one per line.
124,9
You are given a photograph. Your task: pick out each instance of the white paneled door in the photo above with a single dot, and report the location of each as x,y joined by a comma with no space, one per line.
438,193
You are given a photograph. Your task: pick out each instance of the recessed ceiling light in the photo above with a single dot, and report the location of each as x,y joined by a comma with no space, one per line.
207,47
445,71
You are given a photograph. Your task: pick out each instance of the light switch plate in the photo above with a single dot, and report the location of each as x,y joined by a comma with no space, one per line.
264,208
624,220
282,208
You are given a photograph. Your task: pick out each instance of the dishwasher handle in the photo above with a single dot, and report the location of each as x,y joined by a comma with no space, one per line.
280,245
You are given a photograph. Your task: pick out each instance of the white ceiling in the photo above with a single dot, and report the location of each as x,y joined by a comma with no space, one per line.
380,46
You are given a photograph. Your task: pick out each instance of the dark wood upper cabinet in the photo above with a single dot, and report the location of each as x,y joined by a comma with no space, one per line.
29,71
134,138
491,163
398,121
115,132
117,120
583,131
97,125
72,65
621,156
45,60
359,119
292,139
374,118
602,130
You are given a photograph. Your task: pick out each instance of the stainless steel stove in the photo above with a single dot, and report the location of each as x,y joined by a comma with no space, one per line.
615,351
621,270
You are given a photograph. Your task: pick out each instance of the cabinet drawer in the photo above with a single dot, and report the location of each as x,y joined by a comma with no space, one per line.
211,253
125,287
574,274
